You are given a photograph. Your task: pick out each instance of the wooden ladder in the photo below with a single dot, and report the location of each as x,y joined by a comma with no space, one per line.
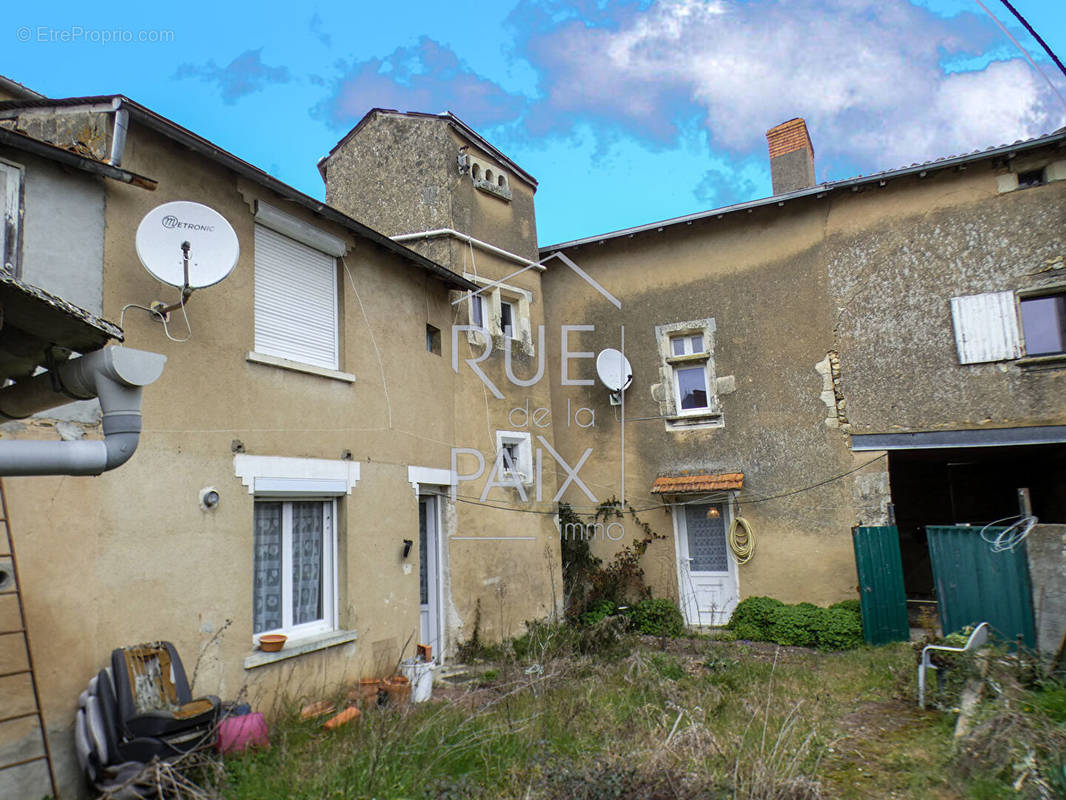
11,587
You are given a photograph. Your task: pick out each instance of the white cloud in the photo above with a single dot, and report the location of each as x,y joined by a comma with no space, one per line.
865,74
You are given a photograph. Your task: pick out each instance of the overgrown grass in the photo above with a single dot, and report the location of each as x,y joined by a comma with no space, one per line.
688,718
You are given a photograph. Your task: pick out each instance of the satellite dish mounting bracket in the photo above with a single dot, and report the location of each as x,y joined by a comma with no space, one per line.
161,308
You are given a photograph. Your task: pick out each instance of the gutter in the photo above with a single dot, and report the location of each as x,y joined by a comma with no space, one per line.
117,376
463,237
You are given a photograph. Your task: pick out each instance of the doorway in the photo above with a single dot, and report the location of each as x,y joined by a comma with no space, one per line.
429,573
706,570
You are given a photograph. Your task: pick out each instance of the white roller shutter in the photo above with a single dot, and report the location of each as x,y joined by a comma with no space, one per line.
986,327
295,300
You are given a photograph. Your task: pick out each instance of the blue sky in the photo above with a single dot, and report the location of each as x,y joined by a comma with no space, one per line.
626,112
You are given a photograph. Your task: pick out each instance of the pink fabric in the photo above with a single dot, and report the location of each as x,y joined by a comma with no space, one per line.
236,734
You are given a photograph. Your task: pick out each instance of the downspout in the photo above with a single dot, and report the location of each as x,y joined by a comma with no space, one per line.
115,375
118,135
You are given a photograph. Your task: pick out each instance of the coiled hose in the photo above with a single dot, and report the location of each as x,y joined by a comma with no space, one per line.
741,540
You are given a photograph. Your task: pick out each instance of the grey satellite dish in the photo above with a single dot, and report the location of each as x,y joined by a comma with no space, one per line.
187,245
614,372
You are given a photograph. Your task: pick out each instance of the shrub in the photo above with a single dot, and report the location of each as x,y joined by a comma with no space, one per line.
838,627
841,628
752,617
797,625
597,611
657,617
853,606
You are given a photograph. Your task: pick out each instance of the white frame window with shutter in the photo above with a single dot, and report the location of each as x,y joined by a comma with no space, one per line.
296,291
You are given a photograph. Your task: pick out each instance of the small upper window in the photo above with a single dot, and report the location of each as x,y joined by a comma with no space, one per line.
687,345
433,339
1044,324
1033,177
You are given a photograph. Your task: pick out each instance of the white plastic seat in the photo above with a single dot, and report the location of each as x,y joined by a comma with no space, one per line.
977,639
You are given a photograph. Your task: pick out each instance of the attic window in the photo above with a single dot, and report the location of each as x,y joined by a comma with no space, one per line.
1033,177
489,178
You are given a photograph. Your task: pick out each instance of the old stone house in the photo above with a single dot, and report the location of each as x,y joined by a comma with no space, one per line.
403,377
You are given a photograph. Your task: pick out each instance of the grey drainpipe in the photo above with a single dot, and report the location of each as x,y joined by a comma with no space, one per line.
118,135
115,375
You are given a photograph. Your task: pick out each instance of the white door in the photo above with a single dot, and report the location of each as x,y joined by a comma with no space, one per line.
706,571
429,574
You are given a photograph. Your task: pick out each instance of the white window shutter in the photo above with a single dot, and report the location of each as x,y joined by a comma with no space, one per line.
986,327
9,216
295,300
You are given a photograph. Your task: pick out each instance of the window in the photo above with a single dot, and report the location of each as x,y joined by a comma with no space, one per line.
10,202
293,583
477,310
514,453
507,319
504,311
1034,177
1002,326
433,339
687,392
1044,324
295,300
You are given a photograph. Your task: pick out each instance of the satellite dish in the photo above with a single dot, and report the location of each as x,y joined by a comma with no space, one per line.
615,372
187,245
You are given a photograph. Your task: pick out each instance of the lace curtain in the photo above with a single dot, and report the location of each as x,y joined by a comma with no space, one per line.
306,535
706,539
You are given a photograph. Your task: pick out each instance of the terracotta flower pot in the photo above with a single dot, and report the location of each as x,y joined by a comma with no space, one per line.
399,689
272,642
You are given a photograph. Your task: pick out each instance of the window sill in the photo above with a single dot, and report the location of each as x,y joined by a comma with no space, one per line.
299,648
296,366
688,421
1037,362
691,358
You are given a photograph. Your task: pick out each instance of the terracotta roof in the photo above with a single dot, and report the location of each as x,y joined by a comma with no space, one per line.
678,484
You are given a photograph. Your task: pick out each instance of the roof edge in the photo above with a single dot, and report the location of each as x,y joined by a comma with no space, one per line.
1058,136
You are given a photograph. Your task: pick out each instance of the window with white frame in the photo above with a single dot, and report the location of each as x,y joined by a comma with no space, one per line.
507,319
293,583
687,391
477,310
295,300
10,204
514,451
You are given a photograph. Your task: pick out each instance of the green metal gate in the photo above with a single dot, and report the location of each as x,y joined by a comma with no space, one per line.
975,584
880,568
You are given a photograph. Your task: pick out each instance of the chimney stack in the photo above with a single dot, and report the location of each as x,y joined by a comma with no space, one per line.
791,156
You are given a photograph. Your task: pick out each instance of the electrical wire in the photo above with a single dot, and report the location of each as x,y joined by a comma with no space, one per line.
162,318
1011,536
590,511
373,341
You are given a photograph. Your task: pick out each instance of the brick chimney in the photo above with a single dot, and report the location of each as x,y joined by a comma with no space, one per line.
791,156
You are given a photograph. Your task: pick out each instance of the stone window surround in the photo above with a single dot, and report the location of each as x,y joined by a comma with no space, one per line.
520,299
486,176
1053,171
665,392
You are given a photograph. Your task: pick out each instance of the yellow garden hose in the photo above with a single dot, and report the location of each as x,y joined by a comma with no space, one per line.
741,540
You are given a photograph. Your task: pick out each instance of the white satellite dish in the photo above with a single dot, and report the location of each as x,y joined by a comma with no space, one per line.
615,373
187,245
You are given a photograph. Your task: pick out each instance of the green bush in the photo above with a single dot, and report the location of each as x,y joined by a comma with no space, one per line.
838,627
597,611
841,628
752,617
853,606
656,617
797,625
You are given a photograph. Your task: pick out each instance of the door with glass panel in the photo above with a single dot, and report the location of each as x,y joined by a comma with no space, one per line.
706,571
428,575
